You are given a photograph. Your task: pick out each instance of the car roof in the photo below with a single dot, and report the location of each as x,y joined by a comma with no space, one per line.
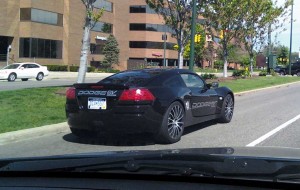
161,70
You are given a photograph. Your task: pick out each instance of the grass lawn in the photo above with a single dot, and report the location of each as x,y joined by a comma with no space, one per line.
21,109
240,85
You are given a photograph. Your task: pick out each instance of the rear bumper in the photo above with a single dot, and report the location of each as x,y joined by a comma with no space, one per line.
137,119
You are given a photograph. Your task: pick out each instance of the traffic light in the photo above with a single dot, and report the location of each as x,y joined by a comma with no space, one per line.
197,38
221,34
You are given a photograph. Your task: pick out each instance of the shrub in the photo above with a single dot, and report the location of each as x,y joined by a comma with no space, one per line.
57,67
208,76
74,68
263,73
241,73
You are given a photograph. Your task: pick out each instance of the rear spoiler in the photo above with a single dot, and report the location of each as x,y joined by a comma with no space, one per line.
99,86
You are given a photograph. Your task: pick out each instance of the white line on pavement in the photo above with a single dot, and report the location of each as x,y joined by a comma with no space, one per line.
264,137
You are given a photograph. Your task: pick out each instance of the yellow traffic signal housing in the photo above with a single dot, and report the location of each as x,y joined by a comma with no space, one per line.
197,38
221,34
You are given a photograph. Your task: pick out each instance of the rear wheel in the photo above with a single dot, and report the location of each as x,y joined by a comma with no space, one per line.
40,76
24,79
173,124
12,77
227,109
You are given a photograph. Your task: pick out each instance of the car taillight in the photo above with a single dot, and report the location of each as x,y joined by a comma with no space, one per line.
70,94
137,95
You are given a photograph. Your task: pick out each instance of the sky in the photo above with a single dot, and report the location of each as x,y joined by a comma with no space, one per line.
283,38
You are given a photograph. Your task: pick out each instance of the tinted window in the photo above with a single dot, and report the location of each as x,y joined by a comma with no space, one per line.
40,48
151,45
191,80
41,16
102,27
138,9
174,81
103,4
130,78
33,66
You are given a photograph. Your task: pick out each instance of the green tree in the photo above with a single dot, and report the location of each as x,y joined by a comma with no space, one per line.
177,15
283,55
199,46
91,18
111,52
224,17
256,21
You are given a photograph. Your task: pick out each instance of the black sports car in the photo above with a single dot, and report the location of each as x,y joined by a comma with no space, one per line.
157,101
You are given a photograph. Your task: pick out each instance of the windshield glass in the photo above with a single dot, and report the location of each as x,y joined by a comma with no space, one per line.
13,66
119,75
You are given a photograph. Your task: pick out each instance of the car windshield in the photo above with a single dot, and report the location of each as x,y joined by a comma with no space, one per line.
100,77
13,66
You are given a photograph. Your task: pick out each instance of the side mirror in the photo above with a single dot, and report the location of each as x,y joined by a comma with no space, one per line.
213,85
21,68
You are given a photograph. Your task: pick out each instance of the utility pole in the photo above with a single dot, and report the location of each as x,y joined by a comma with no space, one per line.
192,52
7,55
291,39
165,45
269,48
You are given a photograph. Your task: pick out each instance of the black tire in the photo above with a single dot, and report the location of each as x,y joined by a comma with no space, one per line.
12,77
298,74
24,79
227,109
40,76
172,125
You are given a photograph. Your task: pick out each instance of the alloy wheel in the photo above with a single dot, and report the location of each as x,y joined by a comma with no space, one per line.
175,122
228,107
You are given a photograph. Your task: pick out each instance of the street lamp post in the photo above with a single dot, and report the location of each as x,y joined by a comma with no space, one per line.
192,51
291,39
7,55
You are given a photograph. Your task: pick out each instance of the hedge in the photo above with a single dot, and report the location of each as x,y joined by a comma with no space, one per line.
65,68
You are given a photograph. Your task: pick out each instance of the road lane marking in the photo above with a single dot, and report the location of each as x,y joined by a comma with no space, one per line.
269,134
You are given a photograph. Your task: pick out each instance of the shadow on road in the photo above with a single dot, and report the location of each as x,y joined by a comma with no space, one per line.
199,126
112,140
128,140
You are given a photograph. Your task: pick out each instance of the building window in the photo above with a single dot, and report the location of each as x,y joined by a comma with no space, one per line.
141,9
40,48
150,27
96,49
151,45
41,16
102,27
138,9
108,6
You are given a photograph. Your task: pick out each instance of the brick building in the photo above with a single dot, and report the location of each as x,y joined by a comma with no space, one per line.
50,32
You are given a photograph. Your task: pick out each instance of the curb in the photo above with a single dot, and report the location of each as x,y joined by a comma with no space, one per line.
26,134
266,88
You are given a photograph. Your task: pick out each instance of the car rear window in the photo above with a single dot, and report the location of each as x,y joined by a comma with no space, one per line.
130,78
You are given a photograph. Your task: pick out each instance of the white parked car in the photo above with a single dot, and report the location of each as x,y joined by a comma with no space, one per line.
23,71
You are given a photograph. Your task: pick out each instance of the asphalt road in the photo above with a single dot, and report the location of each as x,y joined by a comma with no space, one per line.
32,83
256,114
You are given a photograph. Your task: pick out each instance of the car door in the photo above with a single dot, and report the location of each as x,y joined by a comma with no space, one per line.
23,71
203,99
33,70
